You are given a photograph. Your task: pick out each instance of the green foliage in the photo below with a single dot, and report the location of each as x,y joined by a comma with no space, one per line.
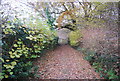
74,37
50,19
95,10
106,65
111,74
21,45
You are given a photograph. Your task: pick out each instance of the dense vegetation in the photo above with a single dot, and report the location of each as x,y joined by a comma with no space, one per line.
21,45
25,39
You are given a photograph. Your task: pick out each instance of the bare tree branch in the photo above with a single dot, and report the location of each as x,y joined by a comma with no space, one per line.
64,6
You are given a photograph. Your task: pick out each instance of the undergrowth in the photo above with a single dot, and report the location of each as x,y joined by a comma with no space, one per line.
20,46
107,65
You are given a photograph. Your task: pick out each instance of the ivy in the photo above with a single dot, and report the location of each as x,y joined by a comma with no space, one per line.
50,20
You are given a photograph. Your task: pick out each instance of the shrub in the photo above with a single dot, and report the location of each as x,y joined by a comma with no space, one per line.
21,45
75,37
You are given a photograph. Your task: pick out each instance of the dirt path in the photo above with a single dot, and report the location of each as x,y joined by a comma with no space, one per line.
65,63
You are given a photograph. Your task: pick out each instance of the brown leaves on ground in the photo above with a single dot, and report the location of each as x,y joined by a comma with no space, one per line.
65,63
100,40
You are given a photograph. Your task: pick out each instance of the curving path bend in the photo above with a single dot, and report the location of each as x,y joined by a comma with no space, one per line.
64,62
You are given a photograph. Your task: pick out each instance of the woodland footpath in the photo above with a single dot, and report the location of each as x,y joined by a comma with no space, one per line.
58,40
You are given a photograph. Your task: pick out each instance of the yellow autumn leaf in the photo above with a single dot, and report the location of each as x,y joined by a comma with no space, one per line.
7,66
12,56
7,60
18,56
6,76
15,45
4,65
10,52
11,67
13,63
